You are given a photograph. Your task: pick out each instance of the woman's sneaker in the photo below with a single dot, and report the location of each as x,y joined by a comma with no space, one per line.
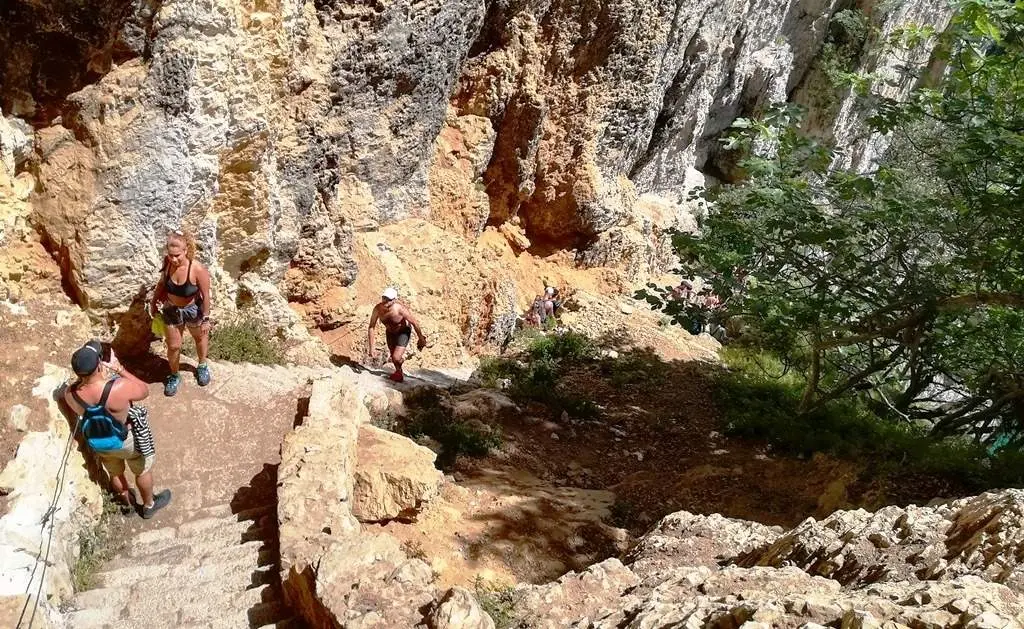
171,384
159,502
203,375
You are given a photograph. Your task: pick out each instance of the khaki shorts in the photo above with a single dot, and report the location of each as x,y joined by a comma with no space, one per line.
114,460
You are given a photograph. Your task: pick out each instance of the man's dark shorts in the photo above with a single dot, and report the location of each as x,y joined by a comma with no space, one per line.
190,315
399,337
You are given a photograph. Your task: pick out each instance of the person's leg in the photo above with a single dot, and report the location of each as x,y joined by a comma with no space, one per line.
398,357
118,481
202,338
151,502
145,484
173,359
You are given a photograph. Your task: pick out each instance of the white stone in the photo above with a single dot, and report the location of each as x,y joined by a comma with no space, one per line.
19,417
459,609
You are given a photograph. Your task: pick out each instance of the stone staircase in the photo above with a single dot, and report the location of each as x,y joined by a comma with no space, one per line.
210,559
217,570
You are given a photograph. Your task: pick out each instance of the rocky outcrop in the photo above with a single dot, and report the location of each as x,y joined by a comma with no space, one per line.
458,609
853,569
51,49
394,477
38,544
687,539
980,536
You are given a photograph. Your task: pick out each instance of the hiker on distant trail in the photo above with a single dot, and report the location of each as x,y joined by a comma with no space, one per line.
184,289
399,323
113,427
544,306
683,292
551,301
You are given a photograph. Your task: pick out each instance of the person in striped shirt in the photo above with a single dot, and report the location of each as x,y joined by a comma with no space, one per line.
109,385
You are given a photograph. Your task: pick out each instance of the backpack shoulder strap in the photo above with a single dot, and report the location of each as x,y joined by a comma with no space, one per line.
78,398
106,394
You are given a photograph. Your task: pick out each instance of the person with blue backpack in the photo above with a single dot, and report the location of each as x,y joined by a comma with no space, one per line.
112,425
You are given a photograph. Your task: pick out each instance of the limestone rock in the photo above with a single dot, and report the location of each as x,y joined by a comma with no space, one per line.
18,419
687,539
575,596
334,573
30,482
393,476
936,542
458,200
788,597
459,609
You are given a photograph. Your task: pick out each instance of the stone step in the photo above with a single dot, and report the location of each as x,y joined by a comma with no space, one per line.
225,511
95,618
194,539
236,572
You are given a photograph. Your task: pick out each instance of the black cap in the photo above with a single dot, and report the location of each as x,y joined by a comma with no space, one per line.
86,359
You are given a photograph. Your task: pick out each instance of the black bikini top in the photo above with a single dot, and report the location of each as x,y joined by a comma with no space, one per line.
188,289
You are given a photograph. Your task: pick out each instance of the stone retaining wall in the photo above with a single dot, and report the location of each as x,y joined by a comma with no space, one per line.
335,572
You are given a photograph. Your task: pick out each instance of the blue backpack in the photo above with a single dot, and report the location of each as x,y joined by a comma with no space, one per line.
102,432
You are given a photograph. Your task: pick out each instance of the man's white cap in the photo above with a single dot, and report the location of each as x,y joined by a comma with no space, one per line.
390,293
549,291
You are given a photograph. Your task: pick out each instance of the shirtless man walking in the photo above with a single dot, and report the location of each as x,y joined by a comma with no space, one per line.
399,323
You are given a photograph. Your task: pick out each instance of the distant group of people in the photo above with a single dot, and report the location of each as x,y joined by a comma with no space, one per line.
105,397
545,308
706,306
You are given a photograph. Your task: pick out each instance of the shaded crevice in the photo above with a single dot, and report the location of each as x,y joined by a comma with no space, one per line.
665,131
50,50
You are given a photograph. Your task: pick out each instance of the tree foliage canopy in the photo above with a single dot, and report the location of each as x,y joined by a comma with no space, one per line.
905,284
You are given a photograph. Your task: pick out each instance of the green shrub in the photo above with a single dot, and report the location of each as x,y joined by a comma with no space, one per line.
534,375
246,340
429,416
565,346
493,370
96,546
500,602
760,400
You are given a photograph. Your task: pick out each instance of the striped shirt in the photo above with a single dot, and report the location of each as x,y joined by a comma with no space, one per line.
138,418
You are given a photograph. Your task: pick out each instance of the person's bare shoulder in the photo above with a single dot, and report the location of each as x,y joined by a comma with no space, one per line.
126,391
70,401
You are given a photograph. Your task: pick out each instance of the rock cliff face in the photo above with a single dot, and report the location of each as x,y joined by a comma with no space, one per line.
278,130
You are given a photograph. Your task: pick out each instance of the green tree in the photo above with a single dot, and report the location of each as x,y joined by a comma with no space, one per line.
903,285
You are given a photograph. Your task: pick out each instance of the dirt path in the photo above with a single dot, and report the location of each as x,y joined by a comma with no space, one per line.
562,493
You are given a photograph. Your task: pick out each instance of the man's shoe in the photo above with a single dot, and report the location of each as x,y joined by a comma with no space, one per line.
203,375
171,384
159,502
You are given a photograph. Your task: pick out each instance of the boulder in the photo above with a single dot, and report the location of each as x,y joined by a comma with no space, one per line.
393,476
575,595
459,609
688,539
